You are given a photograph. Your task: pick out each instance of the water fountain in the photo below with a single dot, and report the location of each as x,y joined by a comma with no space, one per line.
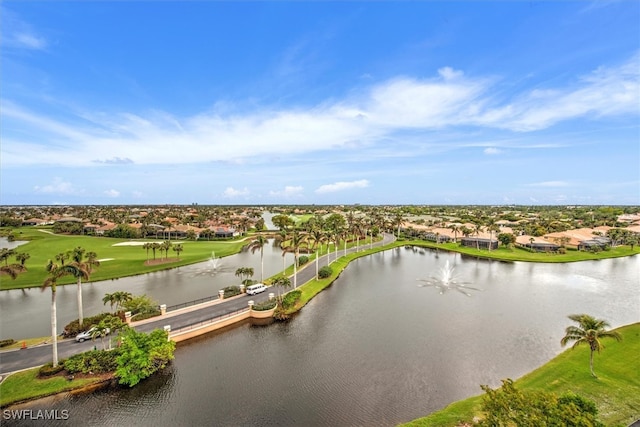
447,281
214,262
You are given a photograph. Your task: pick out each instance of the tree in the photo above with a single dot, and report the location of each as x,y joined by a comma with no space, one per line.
81,269
177,249
141,355
118,298
5,254
165,246
146,247
258,244
281,282
244,271
295,241
22,258
55,272
12,270
154,247
589,331
456,229
506,238
283,222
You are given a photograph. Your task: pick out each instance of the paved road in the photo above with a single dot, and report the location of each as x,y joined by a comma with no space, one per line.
15,360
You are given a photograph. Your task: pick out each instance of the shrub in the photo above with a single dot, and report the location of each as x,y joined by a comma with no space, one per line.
302,260
5,343
291,298
147,315
140,304
94,361
48,370
325,272
264,306
231,291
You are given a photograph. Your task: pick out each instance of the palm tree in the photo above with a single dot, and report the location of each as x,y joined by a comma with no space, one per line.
166,245
398,219
154,247
456,229
62,257
281,282
55,272
317,236
477,229
12,270
589,331
295,241
177,249
5,254
80,270
258,244
146,247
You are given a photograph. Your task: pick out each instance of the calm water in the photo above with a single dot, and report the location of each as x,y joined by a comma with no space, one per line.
374,348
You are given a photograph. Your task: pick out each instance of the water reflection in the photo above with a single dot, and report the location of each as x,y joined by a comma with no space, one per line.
374,349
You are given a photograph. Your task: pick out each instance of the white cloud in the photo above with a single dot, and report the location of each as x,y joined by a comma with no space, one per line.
341,186
492,151
231,192
377,115
289,191
17,33
449,73
112,193
58,186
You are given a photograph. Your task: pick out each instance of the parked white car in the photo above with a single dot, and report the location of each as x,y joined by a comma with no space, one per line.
83,336
256,289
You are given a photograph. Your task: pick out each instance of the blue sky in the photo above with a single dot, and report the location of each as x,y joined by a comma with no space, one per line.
505,102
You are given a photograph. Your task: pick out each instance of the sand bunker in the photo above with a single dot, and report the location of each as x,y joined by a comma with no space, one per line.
106,259
129,244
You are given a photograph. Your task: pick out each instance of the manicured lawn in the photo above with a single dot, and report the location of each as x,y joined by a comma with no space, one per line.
120,261
26,385
615,391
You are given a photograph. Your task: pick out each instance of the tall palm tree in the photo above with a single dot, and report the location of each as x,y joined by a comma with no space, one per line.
317,236
55,272
477,229
80,269
456,229
296,240
146,247
258,244
166,245
589,331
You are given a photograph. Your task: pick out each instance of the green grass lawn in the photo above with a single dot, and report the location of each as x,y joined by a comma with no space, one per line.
124,260
26,385
616,391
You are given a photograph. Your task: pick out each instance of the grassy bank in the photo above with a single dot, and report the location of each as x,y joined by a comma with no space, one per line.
615,391
26,385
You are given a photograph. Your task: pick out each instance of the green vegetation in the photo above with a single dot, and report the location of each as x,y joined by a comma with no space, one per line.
115,261
507,406
590,331
142,355
615,391
139,356
519,254
26,385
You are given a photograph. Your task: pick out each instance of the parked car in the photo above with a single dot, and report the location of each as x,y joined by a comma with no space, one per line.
83,336
256,289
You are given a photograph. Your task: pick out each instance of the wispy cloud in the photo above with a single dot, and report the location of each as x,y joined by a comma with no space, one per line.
231,192
58,186
492,151
341,186
112,193
18,34
383,112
